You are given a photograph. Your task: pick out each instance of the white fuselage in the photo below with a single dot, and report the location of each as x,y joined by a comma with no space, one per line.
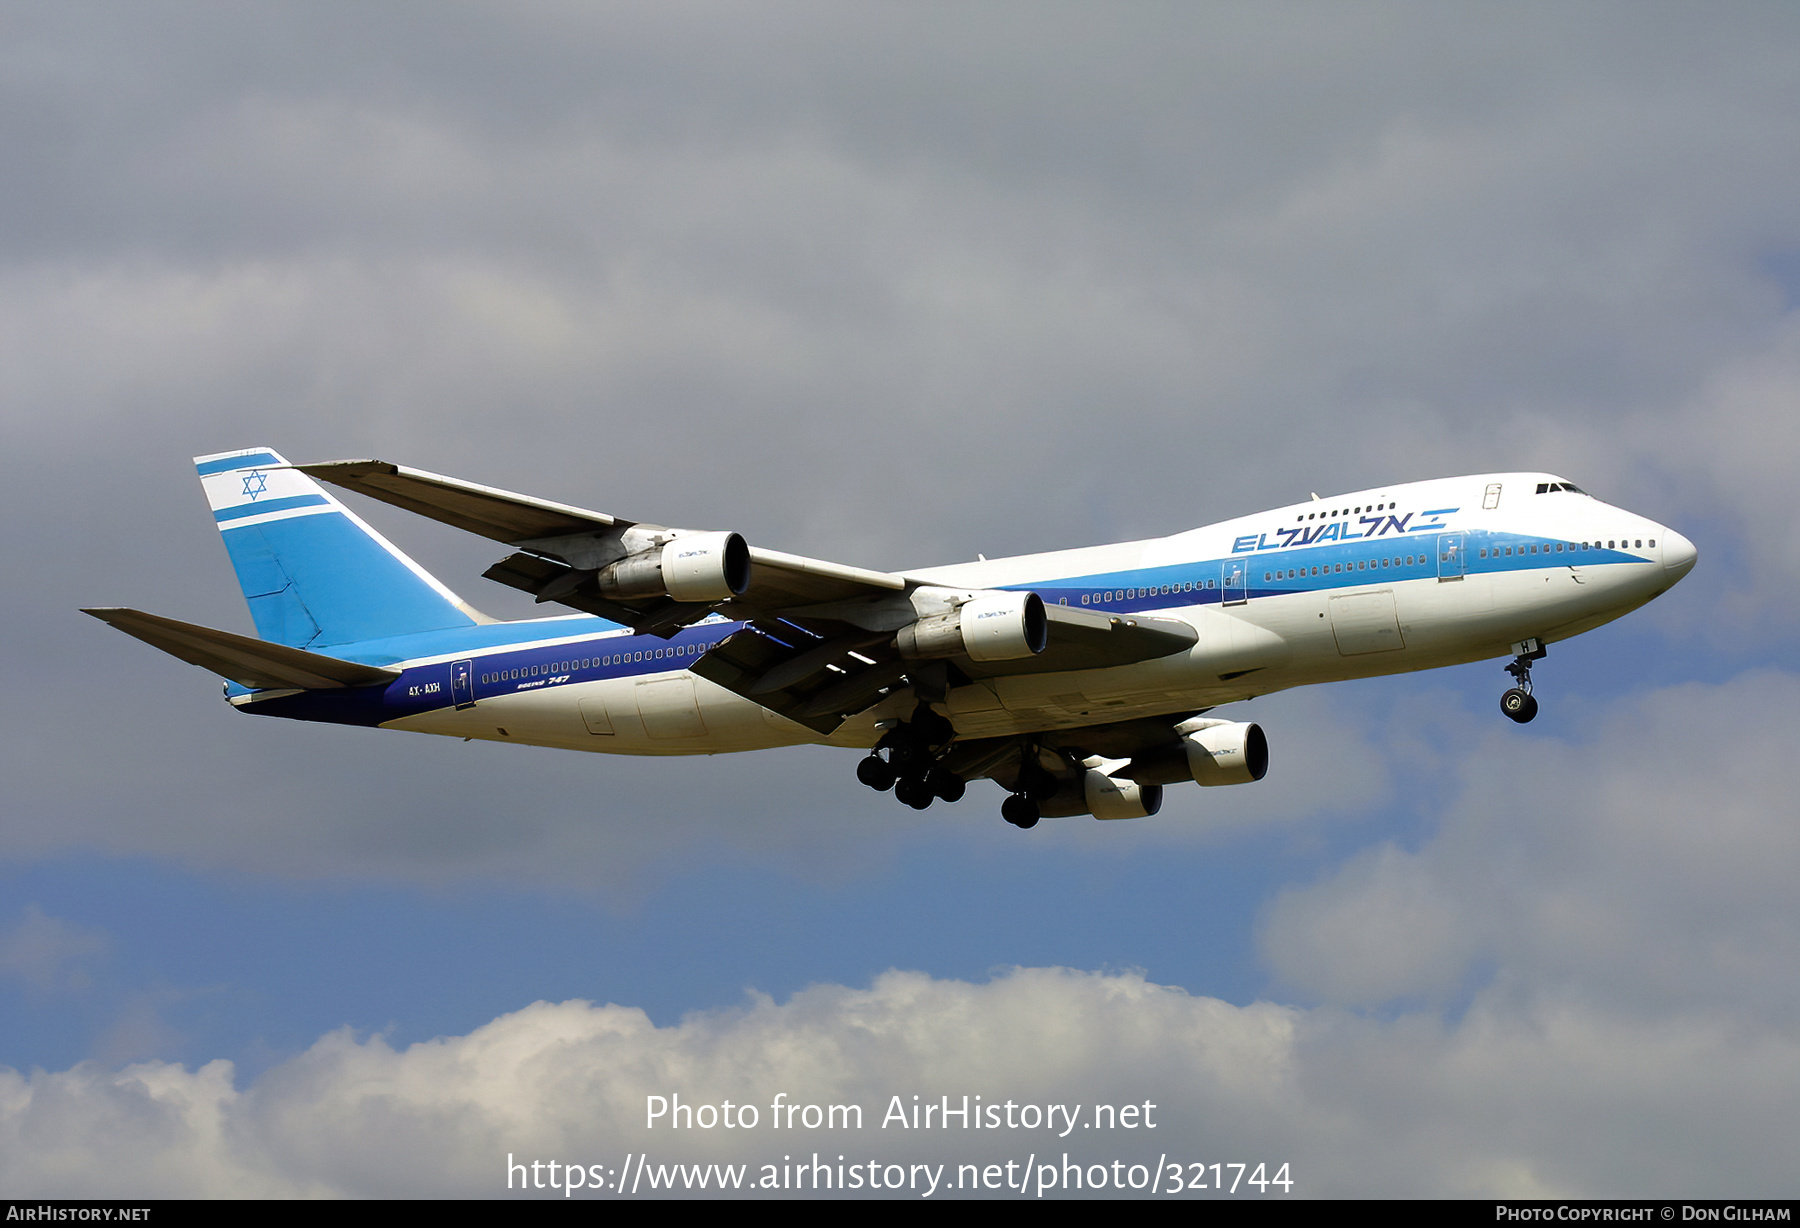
1383,581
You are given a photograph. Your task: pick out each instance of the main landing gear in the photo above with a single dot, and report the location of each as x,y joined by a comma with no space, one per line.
909,759
1518,703
911,769
1034,785
1021,810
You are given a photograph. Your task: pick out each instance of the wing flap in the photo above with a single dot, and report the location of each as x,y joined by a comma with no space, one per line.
249,662
806,676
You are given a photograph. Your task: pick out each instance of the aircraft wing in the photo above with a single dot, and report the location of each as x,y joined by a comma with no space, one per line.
818,672
562,547
499,514
249,662
818,644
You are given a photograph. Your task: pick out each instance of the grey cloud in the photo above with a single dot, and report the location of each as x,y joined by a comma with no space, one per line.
1646,867
887,287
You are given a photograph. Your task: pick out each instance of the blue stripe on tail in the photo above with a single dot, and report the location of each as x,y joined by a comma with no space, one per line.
313,573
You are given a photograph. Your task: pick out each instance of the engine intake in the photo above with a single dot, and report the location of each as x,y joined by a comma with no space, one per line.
1226,752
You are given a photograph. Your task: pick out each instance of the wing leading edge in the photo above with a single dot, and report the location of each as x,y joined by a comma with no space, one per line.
572,540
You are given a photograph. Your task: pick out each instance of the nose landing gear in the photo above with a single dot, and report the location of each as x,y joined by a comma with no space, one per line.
1518,703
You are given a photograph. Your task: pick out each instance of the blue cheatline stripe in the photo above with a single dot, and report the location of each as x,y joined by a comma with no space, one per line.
227,463
1134,590
513,670
273,505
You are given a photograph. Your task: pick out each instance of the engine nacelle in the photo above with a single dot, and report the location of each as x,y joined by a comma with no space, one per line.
1105,797
1109,797
1226,752
697,567
998,626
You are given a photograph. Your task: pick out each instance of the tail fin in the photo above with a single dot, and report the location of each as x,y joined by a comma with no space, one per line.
314,574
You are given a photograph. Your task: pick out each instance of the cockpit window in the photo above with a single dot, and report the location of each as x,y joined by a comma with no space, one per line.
1547,488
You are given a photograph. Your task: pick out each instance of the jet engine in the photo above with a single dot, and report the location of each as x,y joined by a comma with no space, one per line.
697,567
1110,797
1095,791
995,626
1225,752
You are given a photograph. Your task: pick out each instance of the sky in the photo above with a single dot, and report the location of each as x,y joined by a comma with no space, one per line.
897,285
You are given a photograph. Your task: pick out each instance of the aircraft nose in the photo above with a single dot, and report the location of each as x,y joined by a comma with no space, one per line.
1678,554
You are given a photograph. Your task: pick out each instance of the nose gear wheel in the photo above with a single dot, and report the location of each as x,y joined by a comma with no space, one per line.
1518,703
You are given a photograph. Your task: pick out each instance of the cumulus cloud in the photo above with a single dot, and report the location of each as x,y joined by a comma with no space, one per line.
1551,1098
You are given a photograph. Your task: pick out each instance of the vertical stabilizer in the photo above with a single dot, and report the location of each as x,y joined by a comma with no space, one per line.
314,574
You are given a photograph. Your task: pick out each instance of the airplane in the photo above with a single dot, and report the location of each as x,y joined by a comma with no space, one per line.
1081,681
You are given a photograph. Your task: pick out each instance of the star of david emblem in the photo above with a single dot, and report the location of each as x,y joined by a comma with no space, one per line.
255,483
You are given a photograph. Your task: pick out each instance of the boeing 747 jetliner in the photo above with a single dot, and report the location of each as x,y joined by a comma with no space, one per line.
1081,681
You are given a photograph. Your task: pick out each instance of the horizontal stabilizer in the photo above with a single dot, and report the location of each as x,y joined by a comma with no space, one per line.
249,662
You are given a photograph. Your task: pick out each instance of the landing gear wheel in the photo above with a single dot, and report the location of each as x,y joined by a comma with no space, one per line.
914,791
1020,811
1520,705
876,773
946,785
1517,703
